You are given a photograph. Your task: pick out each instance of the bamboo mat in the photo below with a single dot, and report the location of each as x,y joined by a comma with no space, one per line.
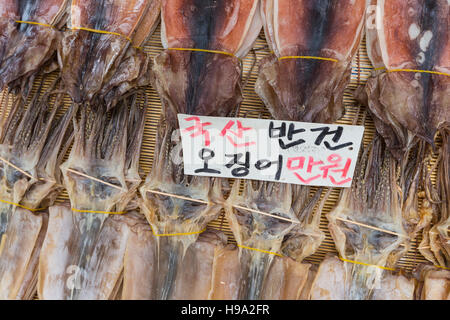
252,107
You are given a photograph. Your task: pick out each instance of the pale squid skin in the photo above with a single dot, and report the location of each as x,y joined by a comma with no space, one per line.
330,283
286,279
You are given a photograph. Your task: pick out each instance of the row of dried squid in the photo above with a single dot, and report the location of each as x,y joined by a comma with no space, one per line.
385,195
97,45
71,252
83,250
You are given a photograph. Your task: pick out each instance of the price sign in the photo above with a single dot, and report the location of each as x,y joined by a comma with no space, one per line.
270,150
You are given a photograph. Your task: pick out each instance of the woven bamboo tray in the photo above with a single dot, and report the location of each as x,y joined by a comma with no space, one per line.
253,107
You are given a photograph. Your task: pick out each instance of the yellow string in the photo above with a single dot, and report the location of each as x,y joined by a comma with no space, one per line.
94,211
21,206
437,266
424,71
259,250
203,50
176,234
36,23
366,264
102,32
414,70
307,57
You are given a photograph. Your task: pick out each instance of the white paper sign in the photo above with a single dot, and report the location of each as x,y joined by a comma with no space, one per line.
271,150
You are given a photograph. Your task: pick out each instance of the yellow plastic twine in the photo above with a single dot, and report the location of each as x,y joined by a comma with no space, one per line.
259,250
414,70
422,71
102,32
94,211
21,206
203,50
35,23
177,234
366,264
308,57
445,268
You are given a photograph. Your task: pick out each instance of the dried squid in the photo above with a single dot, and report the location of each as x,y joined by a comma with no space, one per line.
409,93
375,219
207,267
293,89
192,82
88,238
31,138
434,283
98,58
408,96
26,47
286,279
226,274
399,51
313,43
293,230
330,283
435,245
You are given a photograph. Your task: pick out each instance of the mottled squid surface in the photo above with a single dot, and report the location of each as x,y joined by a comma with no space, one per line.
19,252
31,138
198,83
102,59
287,279
139,262
330,283
411,103
305,238
393,133
194,281
434,283
204,83
227,274
309,89
100,175
24,48
171,215
62,276
375,200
